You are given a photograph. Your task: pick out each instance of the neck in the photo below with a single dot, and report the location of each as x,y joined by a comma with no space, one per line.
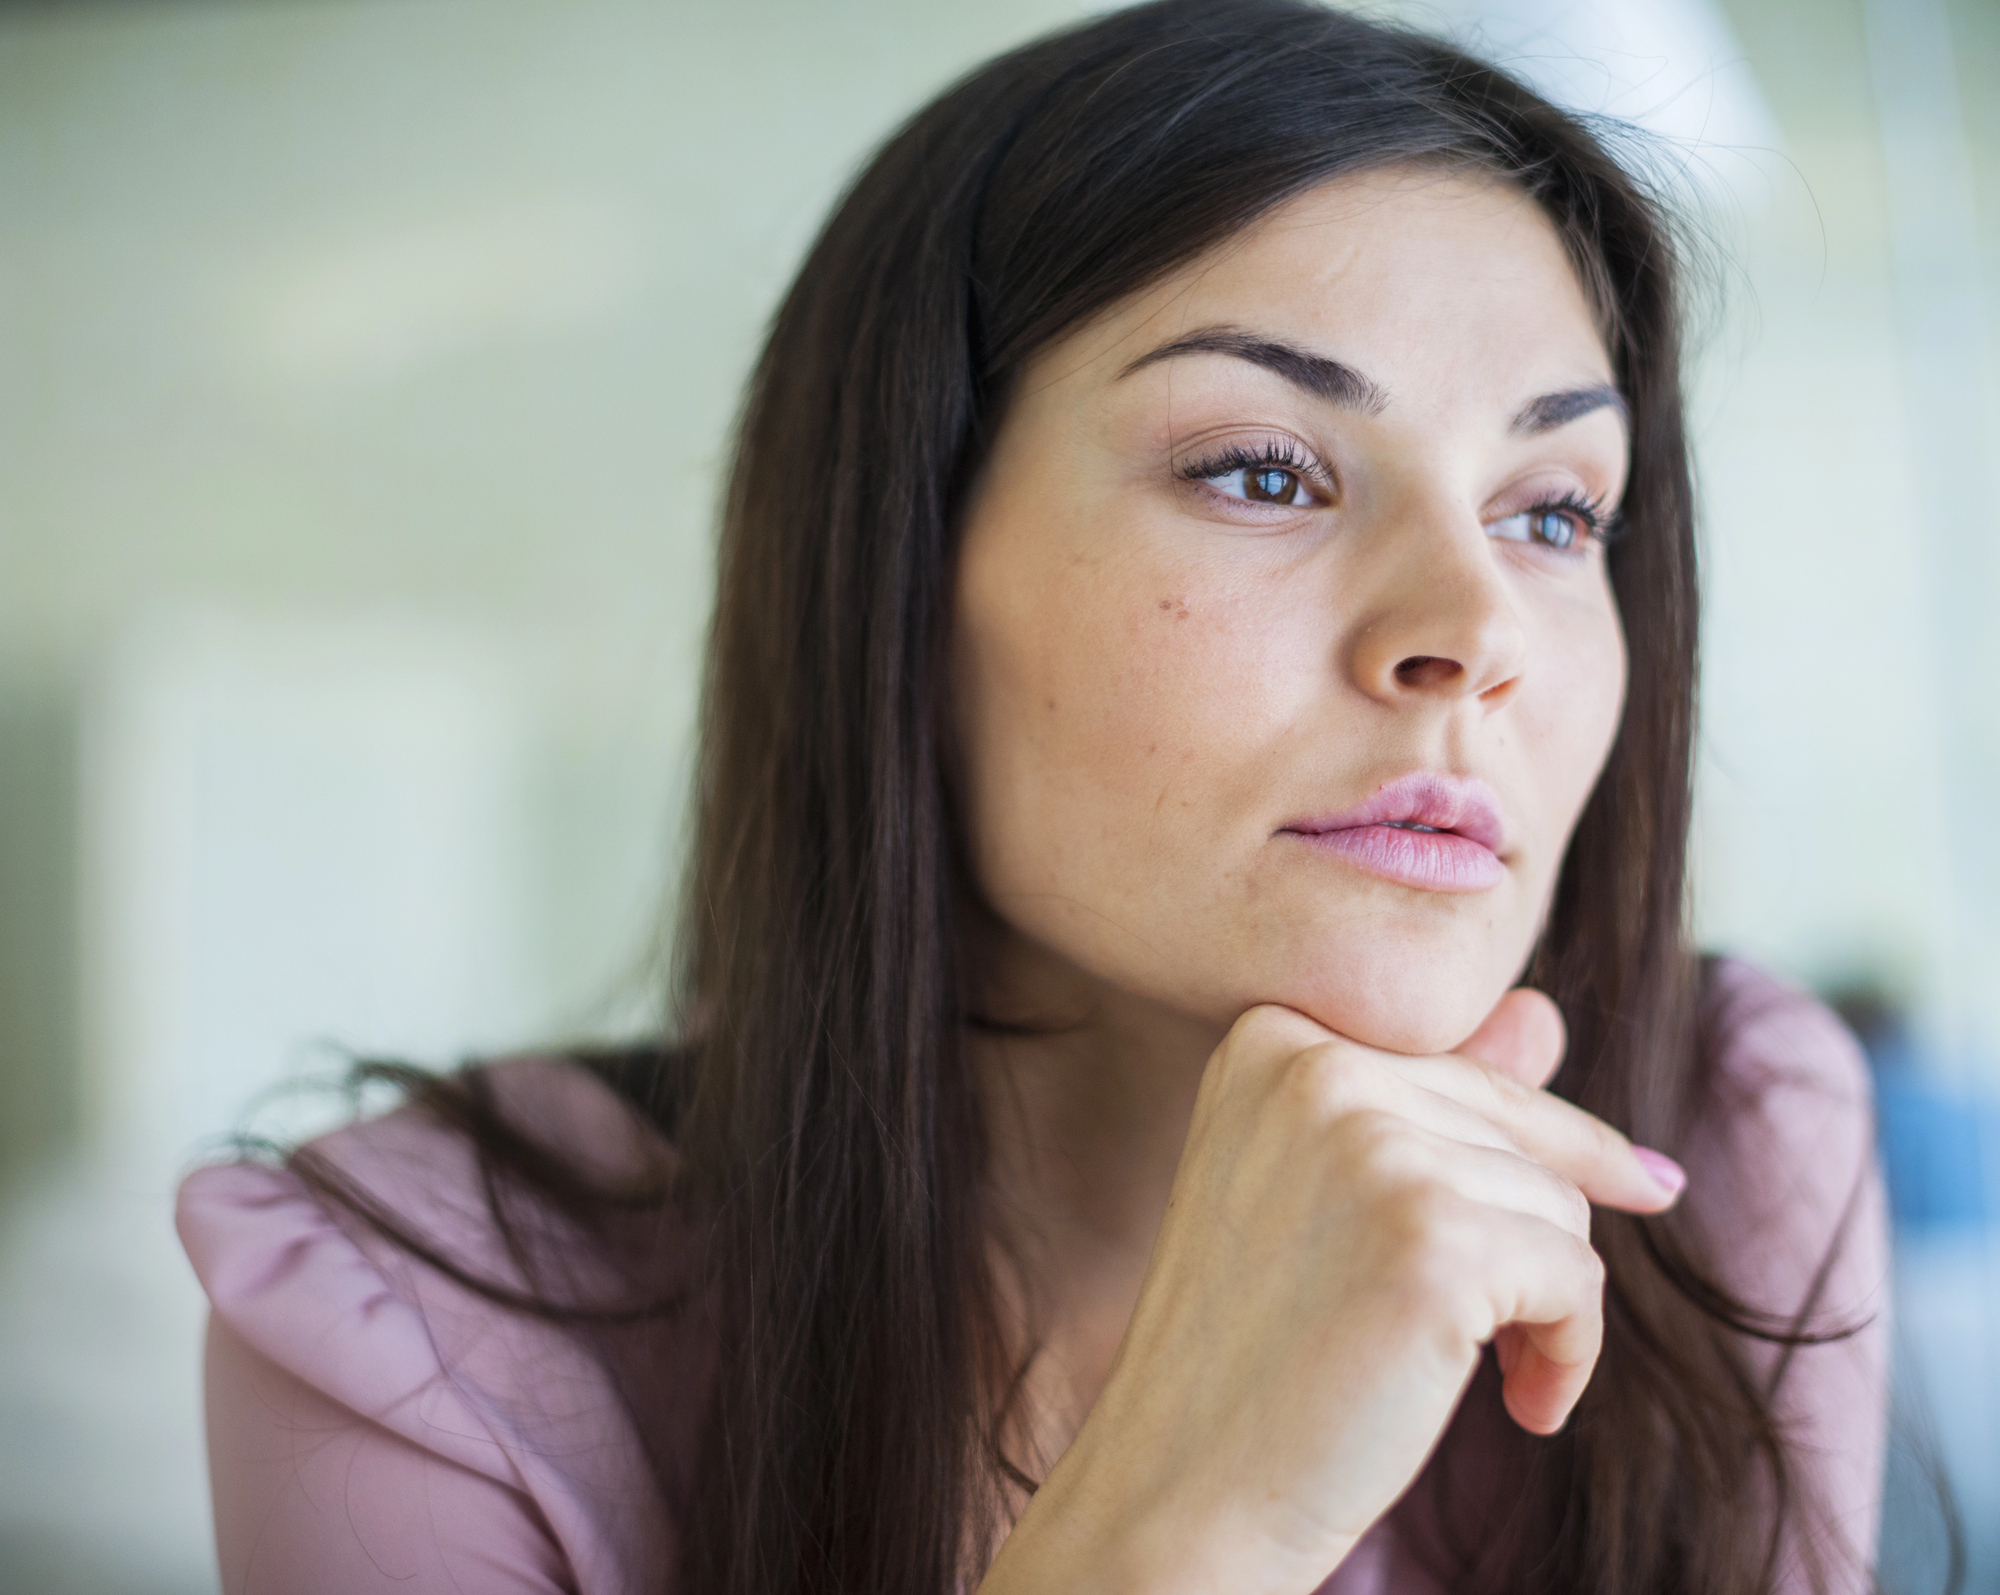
1086,1093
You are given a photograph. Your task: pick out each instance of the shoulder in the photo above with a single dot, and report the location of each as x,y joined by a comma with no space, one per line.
1784,1182
238,1220
310,1299
1785,1142
1781,1160
1769,1036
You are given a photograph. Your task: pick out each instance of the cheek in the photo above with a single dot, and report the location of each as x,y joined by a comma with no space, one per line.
1600,670
1099,700
1574,713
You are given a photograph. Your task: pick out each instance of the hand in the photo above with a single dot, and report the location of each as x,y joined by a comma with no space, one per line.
1347,1228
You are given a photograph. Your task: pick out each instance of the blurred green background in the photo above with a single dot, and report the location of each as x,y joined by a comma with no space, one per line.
367,368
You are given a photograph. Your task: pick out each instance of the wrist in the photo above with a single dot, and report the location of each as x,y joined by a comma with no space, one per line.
1102,1524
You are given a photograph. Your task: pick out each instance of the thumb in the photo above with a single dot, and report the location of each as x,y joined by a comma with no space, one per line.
1523,1036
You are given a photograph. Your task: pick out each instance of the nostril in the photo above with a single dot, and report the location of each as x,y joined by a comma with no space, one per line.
1427,670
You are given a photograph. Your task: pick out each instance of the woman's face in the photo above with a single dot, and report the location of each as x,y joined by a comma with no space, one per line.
1284,653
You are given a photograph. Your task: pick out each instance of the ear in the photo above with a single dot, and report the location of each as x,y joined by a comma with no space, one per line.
1523,1036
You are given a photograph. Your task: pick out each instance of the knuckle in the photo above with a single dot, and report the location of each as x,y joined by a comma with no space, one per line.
1278,1029
1508,1097
1591,1266
1576,1207
1266,1021
1376,1147
1334,1080
1425,1220
1267,1039
1509,1107
1259,1038
1245,1041
1435,1245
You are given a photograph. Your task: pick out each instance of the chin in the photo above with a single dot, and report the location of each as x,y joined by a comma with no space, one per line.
1417,1002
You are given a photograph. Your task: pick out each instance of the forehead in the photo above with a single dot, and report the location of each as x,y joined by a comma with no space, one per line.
1435,283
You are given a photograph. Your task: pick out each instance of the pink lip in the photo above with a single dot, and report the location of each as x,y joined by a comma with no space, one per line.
1457,852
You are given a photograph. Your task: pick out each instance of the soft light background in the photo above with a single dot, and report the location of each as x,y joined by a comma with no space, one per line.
365,367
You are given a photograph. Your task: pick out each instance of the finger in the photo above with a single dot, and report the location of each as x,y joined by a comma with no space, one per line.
1540,1391
1549,1294
1500,1178
1266,1035
1463,1101
1259,1043
1523,1036
1580,1147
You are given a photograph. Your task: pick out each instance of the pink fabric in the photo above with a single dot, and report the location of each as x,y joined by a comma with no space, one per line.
375,1427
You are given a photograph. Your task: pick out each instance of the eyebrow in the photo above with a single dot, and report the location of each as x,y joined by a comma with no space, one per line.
1552,410
1321,377
1339,384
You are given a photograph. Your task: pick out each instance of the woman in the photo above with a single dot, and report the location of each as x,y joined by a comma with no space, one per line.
1207,606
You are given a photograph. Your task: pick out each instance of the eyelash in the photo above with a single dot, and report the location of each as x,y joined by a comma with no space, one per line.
1589,513
1284,454
1273,453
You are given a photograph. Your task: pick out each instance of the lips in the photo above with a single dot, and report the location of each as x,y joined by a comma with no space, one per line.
1438,833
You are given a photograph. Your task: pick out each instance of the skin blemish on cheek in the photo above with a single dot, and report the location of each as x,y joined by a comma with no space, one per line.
1176,606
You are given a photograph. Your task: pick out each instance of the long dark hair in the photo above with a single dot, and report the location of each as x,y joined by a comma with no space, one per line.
827,1141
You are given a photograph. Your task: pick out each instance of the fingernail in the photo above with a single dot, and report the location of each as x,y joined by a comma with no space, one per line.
1666,1173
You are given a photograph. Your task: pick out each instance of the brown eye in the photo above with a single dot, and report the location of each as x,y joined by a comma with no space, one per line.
1261,484
1271,484
1272,475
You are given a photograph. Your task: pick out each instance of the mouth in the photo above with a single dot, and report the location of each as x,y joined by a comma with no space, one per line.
1434,832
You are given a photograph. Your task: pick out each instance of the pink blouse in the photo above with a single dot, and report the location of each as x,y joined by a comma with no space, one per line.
373,1426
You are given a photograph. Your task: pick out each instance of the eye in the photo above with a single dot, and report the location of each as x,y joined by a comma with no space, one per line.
1274,473
1564,524
1261,484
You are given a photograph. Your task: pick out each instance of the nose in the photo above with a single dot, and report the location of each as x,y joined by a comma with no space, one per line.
1439,623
